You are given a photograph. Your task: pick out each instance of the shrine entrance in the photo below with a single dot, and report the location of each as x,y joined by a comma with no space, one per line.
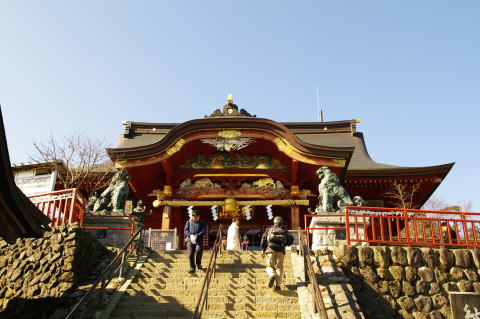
255,216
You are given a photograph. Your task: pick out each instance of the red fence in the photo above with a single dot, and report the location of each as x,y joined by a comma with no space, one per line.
410,227
65,206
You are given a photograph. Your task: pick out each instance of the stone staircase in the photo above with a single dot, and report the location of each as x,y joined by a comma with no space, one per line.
164,289
337,294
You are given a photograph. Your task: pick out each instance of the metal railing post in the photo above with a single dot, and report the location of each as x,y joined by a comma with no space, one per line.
407,228
347,225
465,232
122,262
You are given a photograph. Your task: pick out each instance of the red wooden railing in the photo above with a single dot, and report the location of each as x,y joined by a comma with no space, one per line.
65,206
410,227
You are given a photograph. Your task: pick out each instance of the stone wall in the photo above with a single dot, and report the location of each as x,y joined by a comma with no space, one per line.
41,272
400,282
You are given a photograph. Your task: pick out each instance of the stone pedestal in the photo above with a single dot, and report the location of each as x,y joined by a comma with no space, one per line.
330,238
109,237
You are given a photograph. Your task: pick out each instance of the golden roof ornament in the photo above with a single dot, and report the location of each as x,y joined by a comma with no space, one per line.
230,109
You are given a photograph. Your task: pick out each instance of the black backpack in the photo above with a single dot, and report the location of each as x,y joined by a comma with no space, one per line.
276,238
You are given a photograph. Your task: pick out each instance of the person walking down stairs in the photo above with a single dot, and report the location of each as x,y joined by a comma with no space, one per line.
273,243
194,232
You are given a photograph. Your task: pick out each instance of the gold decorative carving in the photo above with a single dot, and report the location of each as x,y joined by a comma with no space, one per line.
175,148
231,174
275,202
282,146
120,164
229,134
204,183
264,183
167,191
226,160
294,191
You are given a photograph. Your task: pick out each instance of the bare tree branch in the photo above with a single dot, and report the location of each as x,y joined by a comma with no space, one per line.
402,195
84,158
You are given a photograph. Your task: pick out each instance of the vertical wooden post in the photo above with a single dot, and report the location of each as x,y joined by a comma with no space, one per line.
166,216
295,216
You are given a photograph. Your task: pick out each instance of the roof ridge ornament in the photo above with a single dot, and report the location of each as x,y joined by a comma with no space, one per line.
230,109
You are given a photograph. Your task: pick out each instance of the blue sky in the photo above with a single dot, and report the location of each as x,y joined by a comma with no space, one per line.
410,70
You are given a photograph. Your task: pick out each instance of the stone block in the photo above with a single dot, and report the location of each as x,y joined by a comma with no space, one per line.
347,254
421,287
426,274
414,257
449,286
434,288
398,272
465,286
410,273
419,315
408,288
406,303
447,258
476,257
456,274
406,314
399,256
441,275
365,256
395,288
462,258
381,256
368,274
423,303
439,300
431,257
435,314
470,274
446,312
383,287
384,274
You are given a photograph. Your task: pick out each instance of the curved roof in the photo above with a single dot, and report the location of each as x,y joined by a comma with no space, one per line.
312,137
147,139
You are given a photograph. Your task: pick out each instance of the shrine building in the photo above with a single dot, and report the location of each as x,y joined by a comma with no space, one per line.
232,163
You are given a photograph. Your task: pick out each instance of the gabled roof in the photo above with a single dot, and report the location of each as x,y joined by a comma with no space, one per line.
18,216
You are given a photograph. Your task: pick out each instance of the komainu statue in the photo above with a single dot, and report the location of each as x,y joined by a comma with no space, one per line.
332,197
112,200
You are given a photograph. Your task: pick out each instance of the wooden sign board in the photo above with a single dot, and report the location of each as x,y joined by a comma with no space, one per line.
465,305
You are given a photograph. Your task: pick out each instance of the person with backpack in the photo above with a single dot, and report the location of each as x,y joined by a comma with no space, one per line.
194,232
273,243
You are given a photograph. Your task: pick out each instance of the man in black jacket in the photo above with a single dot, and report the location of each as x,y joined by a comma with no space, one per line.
274,240
194,232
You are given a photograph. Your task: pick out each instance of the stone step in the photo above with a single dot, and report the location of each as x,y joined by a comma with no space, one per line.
197,280
180,268
206,314
142,300
126,305
251,314
213,292
217,275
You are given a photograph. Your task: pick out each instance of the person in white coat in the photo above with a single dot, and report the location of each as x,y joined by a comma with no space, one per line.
233,236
